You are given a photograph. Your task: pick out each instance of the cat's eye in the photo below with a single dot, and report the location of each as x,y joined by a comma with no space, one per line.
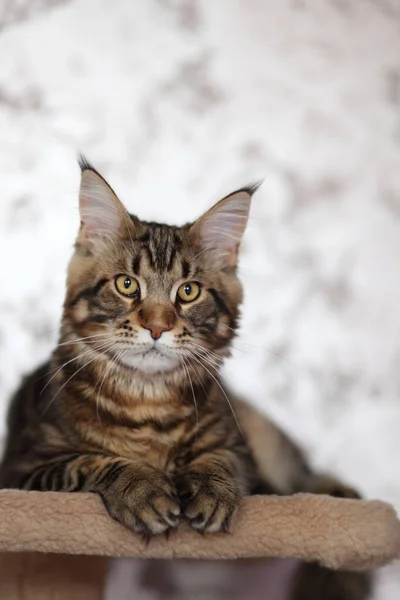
127,286
188,292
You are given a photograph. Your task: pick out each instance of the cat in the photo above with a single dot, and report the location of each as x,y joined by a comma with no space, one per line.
131,405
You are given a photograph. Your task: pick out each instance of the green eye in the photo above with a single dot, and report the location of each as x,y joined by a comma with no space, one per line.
127,286
188,292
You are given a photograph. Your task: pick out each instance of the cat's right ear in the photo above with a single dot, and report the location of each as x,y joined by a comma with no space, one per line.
103,216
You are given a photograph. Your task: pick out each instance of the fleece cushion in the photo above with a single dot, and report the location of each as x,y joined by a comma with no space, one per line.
338,533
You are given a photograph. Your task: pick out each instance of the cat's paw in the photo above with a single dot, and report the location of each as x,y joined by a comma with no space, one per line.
209,501
147,504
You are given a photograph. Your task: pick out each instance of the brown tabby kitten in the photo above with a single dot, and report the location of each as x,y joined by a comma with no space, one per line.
130,405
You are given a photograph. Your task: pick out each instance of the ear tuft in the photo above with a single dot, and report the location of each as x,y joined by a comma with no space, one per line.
252,187
84,164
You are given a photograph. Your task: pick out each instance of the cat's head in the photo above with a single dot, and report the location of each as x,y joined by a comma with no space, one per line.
154,297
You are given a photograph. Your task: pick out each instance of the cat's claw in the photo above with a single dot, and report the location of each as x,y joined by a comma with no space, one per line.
209,503
149,506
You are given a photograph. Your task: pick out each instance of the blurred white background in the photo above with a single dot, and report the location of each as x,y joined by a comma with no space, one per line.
178,103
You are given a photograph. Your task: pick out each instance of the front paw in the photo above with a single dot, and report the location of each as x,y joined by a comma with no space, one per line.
147,503
209,501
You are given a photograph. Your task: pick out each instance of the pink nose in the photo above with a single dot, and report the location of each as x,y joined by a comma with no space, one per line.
157,331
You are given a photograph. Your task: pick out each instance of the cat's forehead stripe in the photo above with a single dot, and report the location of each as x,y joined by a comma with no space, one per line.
185,269
136,263
161,245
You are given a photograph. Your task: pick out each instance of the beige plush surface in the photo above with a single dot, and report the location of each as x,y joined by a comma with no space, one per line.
350,534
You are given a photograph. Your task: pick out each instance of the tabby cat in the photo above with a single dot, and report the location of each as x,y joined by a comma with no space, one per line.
130,405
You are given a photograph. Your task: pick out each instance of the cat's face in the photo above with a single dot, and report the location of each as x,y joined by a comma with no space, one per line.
154,297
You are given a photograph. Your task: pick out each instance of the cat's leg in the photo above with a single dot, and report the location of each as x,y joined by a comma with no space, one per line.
283,469
281,465
135,494
210,489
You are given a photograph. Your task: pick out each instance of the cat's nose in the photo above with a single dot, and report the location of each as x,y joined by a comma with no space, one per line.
156,318
156,331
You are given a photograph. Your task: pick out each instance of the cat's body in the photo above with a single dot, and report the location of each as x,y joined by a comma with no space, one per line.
131,405
80,447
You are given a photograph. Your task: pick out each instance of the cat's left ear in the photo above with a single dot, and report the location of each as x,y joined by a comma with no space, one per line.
222,227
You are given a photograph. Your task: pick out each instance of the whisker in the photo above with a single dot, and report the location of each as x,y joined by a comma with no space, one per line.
48,330
263,348
289,362
106,372
213,359
209,361
73,375
199,379
223,391
114,362
58,369
194,396
207,351
78,340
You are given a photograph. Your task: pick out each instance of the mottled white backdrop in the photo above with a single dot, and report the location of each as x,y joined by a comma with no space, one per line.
178,103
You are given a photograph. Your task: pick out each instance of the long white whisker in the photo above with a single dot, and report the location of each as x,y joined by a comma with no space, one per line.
222,390
214,358
199,379
192,343
58,369
194,397
209,361
292,364
73,375
78,340
113,362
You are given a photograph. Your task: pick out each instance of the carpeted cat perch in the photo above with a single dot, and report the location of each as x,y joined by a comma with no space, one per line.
54,545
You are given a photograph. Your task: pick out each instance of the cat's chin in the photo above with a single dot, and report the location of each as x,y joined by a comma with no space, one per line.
150,362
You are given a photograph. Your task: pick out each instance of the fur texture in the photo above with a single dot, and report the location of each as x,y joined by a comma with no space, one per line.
130,405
